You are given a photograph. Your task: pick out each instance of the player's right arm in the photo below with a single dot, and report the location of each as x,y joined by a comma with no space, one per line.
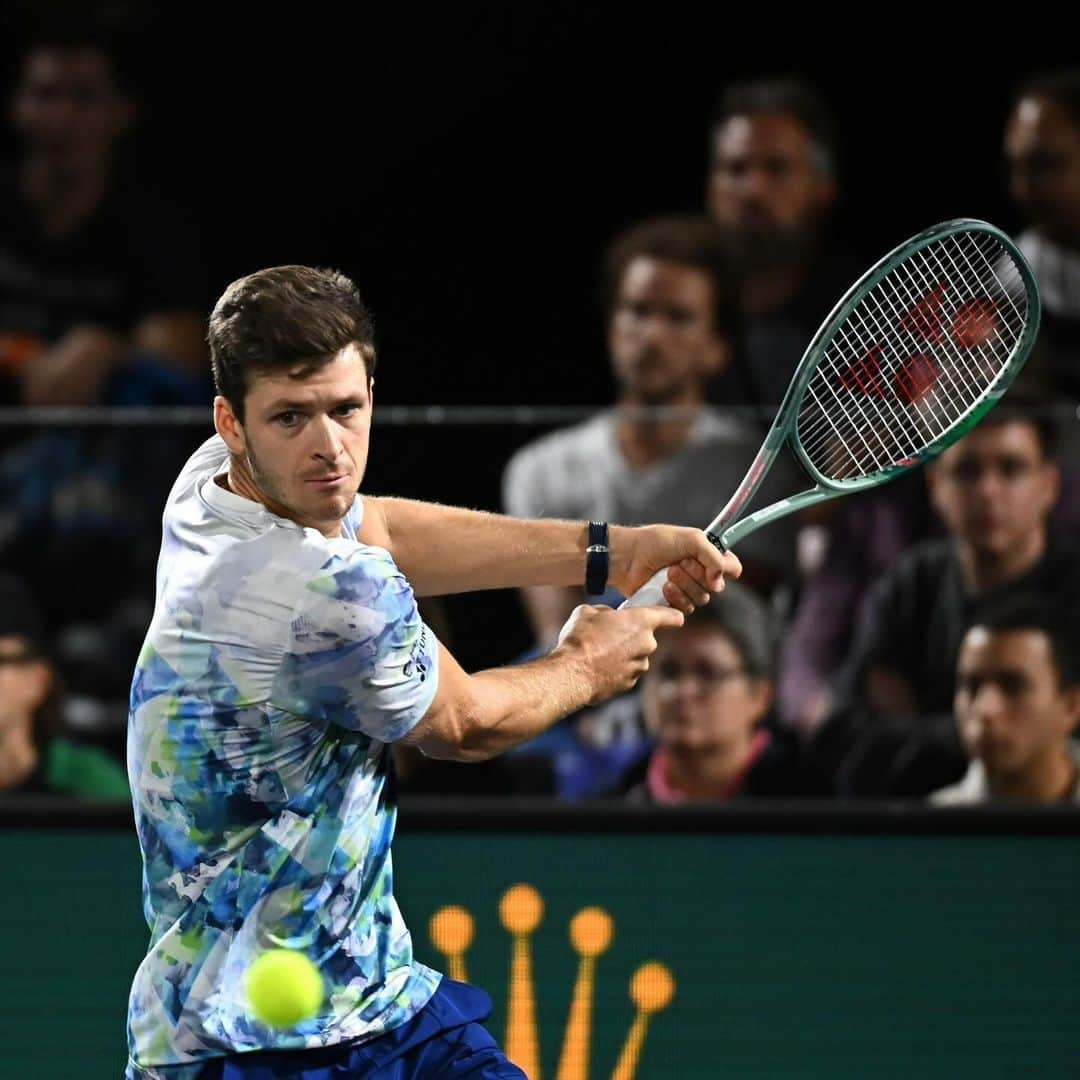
601,652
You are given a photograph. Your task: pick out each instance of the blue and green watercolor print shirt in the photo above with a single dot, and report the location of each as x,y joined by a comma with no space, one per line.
278,666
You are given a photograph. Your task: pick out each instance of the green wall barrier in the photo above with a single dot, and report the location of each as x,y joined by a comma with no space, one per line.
701,947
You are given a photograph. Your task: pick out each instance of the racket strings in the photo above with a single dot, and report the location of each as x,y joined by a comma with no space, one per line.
914,356
888,349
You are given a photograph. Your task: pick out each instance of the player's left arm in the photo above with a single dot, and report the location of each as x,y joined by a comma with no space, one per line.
445,549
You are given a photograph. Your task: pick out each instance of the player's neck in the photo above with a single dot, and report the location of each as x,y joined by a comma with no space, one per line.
708,774
1049,778
987,570
240,482
650,431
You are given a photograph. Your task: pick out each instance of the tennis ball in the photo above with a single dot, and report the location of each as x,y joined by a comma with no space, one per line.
283,987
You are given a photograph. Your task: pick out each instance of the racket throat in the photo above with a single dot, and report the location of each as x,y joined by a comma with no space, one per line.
716,541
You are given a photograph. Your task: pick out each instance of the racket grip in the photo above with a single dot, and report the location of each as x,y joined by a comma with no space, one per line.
652,592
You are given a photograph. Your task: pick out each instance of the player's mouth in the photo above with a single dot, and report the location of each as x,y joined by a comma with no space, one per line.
328,481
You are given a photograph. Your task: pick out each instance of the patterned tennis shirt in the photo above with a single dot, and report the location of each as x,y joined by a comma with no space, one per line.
278,666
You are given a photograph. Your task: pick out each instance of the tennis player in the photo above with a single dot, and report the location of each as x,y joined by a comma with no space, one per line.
285,653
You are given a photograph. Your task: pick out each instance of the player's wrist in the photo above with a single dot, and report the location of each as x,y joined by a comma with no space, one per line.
620,555
597,558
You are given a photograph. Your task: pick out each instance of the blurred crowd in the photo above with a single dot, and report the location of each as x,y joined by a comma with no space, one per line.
918,642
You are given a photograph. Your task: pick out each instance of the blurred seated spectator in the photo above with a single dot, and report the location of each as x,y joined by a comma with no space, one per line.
1042,153
891,731
867,535
101,301
772,187
101,289
661,454
705,702
1017,707
34,756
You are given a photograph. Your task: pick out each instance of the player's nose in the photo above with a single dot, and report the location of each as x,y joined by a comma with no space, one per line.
326,439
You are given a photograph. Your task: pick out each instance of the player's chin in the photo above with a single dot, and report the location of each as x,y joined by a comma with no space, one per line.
333,506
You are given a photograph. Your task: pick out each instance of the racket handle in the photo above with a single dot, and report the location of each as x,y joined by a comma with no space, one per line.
652,592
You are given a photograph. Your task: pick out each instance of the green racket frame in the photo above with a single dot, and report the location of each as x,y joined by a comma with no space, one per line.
725,535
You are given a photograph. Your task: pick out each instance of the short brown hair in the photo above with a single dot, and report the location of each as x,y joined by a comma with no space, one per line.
281,318
689,240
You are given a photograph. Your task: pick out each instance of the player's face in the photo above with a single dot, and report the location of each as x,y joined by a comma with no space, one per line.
994,487
1042,150
67,106
1009,705
662,338
765,180
305,439
697,695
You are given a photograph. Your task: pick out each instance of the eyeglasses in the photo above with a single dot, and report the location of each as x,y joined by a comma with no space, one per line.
705,675
1010,469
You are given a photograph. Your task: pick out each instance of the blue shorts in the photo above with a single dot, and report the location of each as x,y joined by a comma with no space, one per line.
445,1039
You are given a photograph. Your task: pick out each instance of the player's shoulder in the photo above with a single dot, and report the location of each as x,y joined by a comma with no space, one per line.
583,440
716,428
205,461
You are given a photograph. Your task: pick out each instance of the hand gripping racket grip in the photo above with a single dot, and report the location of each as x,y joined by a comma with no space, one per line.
652,592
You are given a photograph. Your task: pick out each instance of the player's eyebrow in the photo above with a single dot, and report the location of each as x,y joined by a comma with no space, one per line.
287,405
282,405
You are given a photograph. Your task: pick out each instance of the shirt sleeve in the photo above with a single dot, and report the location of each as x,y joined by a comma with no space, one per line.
358,653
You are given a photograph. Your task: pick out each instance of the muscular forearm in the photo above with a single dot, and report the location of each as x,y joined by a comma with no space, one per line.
444,549
505,707
601,652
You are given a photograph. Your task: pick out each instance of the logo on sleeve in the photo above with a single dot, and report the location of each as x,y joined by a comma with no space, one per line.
418,659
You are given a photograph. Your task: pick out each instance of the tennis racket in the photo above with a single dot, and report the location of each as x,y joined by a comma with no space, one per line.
911,358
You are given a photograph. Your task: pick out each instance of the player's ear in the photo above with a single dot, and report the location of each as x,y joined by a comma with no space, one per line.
228,426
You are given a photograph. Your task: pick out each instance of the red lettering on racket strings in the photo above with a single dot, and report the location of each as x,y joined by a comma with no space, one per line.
916,378
925,320
865,375
975,323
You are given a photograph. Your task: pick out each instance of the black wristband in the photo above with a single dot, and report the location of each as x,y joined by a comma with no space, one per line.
597,559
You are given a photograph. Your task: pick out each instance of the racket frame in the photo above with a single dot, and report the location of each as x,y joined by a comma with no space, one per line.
723,534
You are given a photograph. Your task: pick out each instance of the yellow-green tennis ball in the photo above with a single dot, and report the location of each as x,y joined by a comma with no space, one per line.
284,987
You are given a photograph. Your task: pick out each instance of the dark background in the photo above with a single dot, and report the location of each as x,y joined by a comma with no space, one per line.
468,164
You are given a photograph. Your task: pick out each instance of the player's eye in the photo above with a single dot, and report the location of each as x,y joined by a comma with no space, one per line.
288,418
